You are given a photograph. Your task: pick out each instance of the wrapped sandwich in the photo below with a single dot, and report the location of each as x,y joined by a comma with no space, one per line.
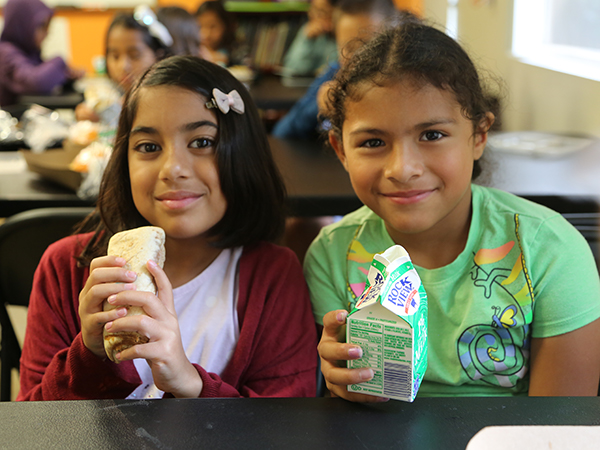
137,247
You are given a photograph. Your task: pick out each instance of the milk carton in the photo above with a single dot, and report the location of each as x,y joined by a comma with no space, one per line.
389,323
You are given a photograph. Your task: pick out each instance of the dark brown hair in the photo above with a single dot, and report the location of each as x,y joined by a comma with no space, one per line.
424,55
182,27
249,178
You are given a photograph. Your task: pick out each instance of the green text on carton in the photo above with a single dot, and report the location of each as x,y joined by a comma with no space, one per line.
389,323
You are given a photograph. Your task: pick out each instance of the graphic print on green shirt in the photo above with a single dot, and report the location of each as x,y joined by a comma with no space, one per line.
495,352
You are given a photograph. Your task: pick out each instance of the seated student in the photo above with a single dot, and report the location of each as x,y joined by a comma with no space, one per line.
232,315
314,46
131,47
22,70
410,121
217,32
353,20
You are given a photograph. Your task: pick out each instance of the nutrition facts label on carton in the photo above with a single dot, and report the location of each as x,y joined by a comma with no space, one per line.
387,348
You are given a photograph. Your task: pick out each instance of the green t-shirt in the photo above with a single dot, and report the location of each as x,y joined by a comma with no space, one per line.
522,262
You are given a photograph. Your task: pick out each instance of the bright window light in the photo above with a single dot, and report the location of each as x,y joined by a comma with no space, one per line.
561,35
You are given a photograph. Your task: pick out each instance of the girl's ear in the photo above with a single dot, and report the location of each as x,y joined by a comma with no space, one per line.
481,134
338,147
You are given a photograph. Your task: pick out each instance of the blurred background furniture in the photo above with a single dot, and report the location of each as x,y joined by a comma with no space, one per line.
588,224
23,239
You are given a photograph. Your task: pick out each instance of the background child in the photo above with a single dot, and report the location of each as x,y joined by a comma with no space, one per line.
410,124
232,315
22,70
130,50
314,46
355,20
217,32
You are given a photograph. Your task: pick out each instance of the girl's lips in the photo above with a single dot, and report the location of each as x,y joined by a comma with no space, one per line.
408,197
178,200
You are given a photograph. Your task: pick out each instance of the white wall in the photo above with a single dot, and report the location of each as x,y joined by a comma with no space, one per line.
534,98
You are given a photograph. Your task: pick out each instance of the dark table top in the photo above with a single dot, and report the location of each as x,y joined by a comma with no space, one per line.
268,92
317,423
24,190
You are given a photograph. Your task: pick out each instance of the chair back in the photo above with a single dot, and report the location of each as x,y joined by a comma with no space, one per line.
588,224
23,239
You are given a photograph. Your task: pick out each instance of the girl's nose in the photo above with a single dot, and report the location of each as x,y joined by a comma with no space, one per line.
404,163
175,164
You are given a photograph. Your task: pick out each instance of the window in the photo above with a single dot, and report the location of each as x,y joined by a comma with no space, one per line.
561,35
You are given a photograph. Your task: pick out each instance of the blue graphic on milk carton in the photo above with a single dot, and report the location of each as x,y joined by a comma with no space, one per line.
404,293
372,292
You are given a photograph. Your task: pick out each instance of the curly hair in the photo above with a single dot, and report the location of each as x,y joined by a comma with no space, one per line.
418,52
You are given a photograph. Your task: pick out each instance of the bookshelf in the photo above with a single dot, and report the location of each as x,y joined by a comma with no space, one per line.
266,30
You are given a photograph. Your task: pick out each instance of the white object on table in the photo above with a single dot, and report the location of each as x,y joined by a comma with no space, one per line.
536,437
537,143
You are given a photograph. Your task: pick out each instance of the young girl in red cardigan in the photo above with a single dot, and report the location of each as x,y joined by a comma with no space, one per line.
232,315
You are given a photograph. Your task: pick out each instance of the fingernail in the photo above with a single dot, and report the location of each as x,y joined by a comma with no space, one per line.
341,316
112,299
122,312
108,325
121,260
131,275
355,352
366,374
152,263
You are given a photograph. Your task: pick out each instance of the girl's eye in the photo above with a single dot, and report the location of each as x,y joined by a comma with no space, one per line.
147,147
372,143
432,135
202,143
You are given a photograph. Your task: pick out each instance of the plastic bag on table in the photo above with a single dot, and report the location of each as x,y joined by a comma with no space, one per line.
43,128
9,131
90,184
91,162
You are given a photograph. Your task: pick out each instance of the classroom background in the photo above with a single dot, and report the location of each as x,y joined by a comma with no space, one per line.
540,99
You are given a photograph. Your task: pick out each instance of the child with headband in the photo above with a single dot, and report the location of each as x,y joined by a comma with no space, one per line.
134,41
513,289
232,315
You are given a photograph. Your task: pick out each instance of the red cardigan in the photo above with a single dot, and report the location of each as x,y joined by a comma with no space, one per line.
275,355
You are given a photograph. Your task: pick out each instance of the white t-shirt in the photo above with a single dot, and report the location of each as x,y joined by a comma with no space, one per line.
207,312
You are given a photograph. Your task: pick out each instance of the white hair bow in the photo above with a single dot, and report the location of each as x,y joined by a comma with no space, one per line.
225,102
146,17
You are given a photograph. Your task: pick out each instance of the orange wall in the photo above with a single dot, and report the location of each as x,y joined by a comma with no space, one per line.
87,33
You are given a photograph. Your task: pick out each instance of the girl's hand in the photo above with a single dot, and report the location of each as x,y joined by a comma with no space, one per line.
334,355
107,277
84,112
171,369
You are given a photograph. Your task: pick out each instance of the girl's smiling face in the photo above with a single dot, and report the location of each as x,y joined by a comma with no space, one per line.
410,152
212,30
127,56
172,162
